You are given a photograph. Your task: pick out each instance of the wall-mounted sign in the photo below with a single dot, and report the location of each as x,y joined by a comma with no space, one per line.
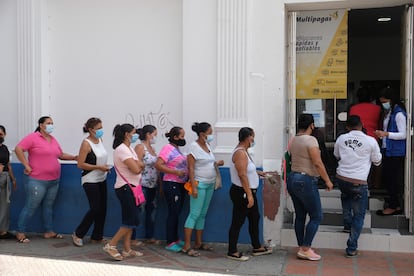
321,54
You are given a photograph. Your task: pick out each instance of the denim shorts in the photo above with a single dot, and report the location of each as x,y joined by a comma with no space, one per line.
130,212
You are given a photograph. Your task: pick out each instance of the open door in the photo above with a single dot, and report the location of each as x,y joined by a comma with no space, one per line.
407,85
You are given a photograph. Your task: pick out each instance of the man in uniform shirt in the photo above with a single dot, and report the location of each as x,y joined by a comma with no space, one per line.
355,152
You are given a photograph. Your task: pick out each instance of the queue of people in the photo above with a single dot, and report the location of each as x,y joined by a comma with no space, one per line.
142,174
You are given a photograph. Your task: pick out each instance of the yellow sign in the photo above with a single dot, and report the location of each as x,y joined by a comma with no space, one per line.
321,54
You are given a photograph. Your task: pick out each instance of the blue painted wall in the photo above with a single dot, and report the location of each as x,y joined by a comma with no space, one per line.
71,204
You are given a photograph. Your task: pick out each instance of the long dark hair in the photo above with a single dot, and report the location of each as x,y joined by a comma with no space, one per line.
119,134
142,132
175,131
41,121
200,127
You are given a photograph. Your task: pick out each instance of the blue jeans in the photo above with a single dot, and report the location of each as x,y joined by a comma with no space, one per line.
199,206
354,200
38,192
129,209
174,194
305,196
149,206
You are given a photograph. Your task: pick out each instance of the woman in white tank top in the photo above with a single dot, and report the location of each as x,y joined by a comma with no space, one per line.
245,181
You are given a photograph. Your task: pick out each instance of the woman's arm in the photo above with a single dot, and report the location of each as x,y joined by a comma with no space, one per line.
67,156
135,166
162,167
191,176
22,158
140,151
315,156
240,163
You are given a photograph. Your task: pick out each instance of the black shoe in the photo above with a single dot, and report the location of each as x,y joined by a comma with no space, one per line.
396,212
7,236
352,254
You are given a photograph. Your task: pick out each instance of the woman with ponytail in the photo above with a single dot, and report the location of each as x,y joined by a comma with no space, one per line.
128,173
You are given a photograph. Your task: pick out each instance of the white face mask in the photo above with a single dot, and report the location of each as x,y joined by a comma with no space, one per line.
386,105
153,140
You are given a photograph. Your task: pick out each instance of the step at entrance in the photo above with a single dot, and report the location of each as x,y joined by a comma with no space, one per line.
380,233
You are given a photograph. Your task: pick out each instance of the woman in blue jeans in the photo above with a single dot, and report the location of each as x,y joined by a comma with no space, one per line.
150,177
42,168
302,185
202,175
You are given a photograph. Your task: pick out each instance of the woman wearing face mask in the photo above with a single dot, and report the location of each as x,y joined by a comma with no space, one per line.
92,159
245,181
6,179
202,175
43,174
302,184
128,169
173,163
150,177
393,137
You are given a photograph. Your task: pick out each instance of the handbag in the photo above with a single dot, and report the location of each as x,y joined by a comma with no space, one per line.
218,184
287,162
136,190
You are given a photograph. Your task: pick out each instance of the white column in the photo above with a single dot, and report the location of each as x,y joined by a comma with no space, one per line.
232,39
29,63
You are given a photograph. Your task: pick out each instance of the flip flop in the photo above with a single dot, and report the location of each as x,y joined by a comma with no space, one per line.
55,236
190,252
204,247
174,247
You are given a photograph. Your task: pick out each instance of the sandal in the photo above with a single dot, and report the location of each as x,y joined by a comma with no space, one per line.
153,241
190,252
204,247
113,252
131,253
53,236
21,238
136,243
237,257
262,251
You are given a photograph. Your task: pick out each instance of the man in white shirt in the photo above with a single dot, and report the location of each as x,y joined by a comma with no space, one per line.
355,152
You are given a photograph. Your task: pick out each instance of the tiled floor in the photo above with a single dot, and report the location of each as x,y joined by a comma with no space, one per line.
367,263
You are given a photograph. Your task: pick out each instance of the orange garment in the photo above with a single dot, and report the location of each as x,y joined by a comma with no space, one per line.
369,114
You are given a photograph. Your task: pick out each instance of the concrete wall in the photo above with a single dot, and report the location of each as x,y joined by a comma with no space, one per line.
71,204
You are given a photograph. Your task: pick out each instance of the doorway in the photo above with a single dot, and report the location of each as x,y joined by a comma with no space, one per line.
377,57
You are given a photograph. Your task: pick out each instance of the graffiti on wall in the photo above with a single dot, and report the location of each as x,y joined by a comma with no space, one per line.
159,118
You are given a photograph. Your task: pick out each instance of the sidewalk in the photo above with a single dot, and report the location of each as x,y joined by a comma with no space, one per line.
60,257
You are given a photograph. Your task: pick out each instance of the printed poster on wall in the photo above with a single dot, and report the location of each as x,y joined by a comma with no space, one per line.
321,54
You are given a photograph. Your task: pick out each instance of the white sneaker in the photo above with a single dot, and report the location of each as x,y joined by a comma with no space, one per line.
77,241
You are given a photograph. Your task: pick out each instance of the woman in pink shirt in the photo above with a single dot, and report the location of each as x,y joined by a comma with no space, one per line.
42,168
128,173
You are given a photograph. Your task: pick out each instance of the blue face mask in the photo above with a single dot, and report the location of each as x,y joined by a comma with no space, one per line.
210,138
49,128
99,133
386,105
153,140
252,144
134,138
